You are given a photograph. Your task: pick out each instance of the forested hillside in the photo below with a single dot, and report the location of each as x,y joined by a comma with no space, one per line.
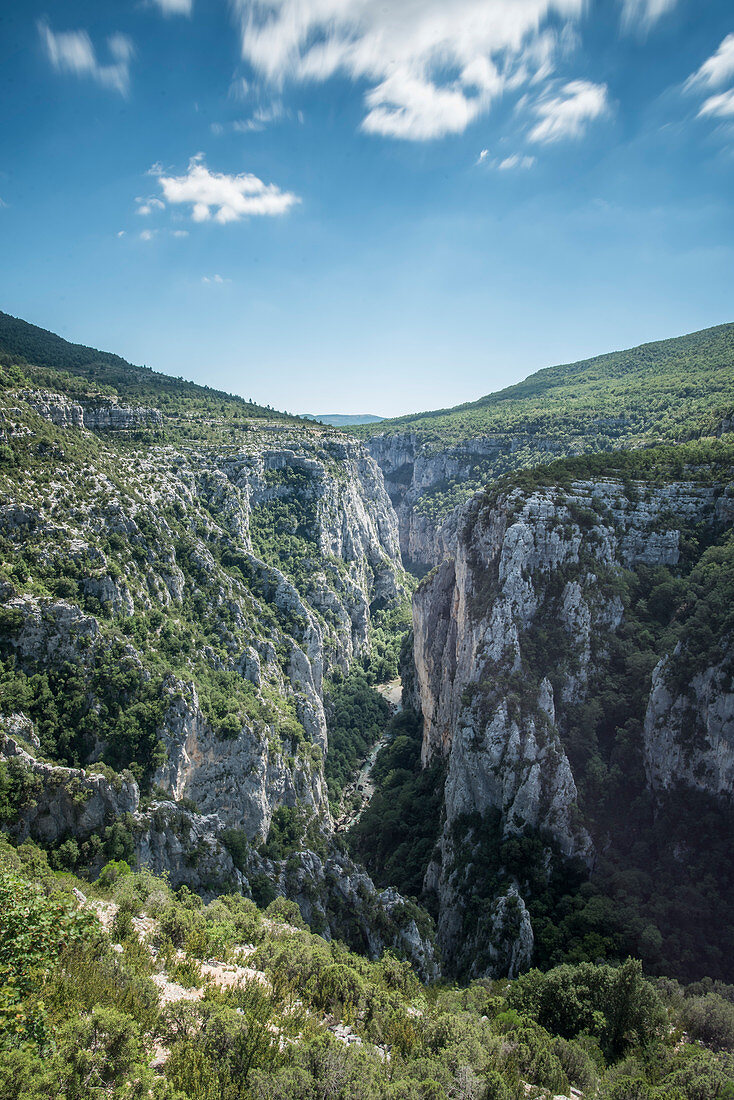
107,375
125,988
668,391
181,583
654,392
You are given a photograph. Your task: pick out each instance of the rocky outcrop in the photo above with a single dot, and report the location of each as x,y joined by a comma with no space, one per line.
534,569
337,898
251,569
67,413
57,803
242,779
689,729
414,468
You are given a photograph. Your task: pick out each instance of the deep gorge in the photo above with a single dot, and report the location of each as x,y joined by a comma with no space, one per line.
202,601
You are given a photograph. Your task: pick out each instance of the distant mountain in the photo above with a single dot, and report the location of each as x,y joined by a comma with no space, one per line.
343,420
666,392
659,390
112,374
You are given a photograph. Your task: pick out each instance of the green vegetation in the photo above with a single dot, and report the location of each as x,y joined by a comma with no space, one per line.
357,717
642,898
397,832
80,371
131,534
388,631
668,391
82,1019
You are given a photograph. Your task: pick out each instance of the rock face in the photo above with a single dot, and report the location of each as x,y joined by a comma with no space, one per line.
64,802
336,897
242,779
66,413
413,467
689,729
250,568
509,636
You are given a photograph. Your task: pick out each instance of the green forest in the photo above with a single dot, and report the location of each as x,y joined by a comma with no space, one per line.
83,1011
669,391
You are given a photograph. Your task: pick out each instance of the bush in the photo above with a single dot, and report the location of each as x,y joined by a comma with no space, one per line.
35,929
283,909
710,1019
113,871
616,1005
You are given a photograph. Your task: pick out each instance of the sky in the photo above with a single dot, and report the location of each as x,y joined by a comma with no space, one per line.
366,206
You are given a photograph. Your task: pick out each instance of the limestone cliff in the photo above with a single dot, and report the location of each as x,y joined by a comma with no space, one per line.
513,639
689,729
169,613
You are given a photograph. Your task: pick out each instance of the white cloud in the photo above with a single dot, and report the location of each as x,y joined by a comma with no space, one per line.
515,161
215,280
174,7
717,70
148,206
230,197
568,114
73,52
239,89
147,235
719,106
261,118
482,156
431,67
121,233
179,232
640,15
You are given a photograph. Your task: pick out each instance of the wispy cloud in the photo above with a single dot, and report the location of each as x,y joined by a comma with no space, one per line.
73,52
714,73
567,114
261,118
506,164
515,161
147,207
215,280
718,106
174,7
717,70
640,15
226,198
431,67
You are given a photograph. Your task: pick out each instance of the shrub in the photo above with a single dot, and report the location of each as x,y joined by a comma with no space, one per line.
113,871
710,1019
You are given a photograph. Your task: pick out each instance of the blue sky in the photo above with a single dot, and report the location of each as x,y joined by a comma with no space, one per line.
366,205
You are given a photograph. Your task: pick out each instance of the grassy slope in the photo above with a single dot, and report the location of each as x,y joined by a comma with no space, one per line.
85,370
656,391
259,1009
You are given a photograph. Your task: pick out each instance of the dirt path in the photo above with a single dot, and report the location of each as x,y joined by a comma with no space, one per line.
357,796
393,694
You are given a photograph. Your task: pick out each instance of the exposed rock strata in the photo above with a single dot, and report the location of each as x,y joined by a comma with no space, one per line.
689,729
133,538
490,708
412,467
334,895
